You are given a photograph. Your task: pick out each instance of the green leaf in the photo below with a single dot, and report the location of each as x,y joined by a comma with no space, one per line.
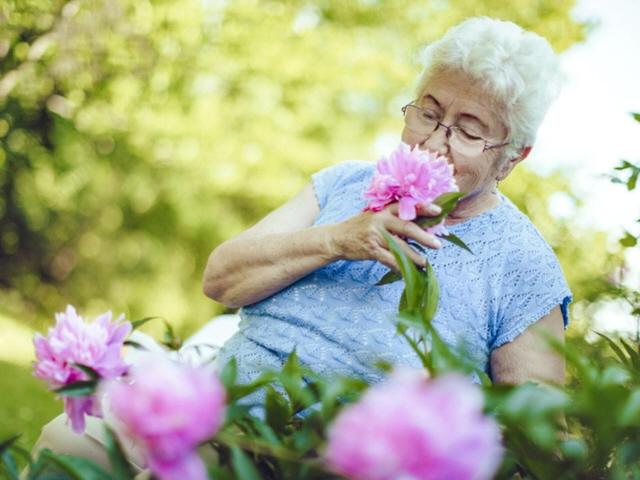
242,465
383,365
634,357
574,449
408,270
293,383
240,391
304,439
229,373
636,116
122,469
628,240
389,277
630,413
402,330
456,241
447,202
135,324
218,472
430,295
170,339
402,304
78,468
278,409
82,388
93,375
623,358
485,380
134,344
633,176
6,444
10,466
265,432
236,411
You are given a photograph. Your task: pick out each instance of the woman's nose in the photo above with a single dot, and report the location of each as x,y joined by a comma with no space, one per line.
437,142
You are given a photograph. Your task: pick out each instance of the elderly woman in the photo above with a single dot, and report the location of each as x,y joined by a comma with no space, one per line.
305,276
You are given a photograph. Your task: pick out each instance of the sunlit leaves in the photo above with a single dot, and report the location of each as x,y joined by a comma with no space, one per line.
634,171
157,130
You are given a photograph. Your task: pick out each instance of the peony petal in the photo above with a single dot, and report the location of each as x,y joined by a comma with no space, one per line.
75,408
407,209
416,428
189,466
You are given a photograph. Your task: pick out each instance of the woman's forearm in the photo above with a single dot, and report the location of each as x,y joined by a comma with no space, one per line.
246,270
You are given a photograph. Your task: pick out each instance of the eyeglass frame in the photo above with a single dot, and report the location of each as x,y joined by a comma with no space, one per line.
487,145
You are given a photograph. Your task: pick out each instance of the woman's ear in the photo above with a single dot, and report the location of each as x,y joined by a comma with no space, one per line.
510,164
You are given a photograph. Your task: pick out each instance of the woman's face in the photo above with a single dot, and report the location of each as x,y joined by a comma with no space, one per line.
459,100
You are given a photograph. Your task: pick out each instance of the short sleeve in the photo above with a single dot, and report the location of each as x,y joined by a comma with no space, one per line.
330,179
532,285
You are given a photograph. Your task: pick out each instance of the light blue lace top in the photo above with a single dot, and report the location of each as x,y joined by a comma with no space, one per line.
340,322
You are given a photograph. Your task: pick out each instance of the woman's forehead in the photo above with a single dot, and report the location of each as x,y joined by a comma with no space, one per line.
452,89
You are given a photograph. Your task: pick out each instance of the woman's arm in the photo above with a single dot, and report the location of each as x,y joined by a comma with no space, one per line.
529,357
285,246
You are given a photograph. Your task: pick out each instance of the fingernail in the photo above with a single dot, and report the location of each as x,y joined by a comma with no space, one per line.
433,208
437,243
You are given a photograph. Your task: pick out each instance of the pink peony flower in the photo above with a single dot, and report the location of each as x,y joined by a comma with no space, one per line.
412,428
411,177
167,409
97,345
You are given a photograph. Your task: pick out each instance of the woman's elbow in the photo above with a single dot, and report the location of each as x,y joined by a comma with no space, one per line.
213,284
219,288
218,292
212,289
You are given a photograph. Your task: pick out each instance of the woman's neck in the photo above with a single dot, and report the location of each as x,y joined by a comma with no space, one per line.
473,205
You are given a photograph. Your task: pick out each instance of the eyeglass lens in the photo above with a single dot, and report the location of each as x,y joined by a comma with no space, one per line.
424,124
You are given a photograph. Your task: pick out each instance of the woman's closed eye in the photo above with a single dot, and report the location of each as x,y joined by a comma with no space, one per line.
430,115
467,133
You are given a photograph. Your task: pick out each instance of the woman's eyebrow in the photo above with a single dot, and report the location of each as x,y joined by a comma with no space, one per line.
433,99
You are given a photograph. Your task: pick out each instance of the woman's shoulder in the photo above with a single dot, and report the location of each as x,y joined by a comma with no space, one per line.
521,233
348,174
347,171
506,238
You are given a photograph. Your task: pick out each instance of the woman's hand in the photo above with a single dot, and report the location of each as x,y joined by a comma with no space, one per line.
360,237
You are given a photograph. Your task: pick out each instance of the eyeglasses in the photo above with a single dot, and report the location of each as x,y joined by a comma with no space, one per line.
424,122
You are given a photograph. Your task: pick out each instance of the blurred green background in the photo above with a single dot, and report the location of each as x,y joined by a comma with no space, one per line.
135,136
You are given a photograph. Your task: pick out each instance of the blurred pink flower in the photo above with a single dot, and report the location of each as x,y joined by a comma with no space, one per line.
412,428
411,177
168,409
72,340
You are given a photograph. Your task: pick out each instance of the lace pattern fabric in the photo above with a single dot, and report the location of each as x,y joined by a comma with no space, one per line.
340,322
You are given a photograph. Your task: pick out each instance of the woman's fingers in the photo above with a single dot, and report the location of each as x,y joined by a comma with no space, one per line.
411,230
386,258
428,210
414,256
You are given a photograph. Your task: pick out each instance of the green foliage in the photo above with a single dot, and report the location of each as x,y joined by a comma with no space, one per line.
24,404
589,430
135,136
634,171
574,245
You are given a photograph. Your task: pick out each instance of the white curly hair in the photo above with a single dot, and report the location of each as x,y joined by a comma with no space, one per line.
517,67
